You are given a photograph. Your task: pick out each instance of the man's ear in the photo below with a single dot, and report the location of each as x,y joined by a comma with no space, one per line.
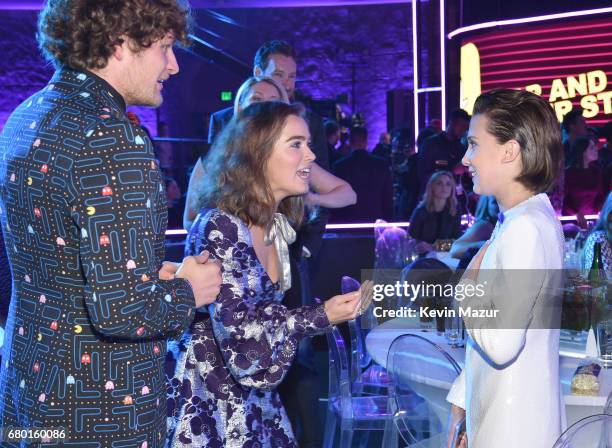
120,50
257,71
510,151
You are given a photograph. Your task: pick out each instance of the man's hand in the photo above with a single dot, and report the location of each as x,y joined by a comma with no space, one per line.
168,270
204,275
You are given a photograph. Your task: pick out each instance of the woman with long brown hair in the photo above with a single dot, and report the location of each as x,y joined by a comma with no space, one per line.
240,347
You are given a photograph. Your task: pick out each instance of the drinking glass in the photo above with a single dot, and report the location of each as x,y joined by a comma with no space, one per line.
453,330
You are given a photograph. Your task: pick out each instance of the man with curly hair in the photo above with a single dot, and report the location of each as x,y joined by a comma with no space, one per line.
83,211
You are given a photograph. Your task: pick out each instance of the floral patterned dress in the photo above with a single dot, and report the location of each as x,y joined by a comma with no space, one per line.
237,351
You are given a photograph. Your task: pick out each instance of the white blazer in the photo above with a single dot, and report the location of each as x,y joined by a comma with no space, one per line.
510,383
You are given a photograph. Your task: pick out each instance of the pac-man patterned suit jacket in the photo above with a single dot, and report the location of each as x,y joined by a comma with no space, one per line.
84,214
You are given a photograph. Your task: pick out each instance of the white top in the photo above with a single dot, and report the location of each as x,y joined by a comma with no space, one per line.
510,385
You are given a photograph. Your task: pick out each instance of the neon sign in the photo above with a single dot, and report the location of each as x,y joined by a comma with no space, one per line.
569,63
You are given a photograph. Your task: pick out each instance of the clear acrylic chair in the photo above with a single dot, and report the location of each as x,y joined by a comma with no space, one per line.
594,431
365,374
347,410
420,366
392,247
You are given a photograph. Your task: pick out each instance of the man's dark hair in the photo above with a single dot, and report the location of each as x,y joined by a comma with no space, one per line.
457,114
331,127
403,137
262,56
606,131
571,118
82,34
359,134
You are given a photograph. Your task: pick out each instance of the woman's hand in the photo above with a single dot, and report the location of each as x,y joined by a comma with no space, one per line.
348,306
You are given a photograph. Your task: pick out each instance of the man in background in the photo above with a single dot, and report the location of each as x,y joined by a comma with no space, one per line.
443,151
370,177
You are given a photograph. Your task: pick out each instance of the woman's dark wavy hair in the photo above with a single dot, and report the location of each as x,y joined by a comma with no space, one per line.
82,34
235,167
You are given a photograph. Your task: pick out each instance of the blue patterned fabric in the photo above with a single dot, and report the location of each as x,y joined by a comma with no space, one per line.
83,212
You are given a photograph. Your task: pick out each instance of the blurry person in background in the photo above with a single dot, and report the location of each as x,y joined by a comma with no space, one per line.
436,217
443,152
370,177
383,147
164,150
573,125
327,190
332,133
477,235
584,188
601,233
405,174
434,128
277,59
605,154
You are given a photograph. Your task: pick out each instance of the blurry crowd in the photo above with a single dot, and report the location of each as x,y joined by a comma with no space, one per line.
423,181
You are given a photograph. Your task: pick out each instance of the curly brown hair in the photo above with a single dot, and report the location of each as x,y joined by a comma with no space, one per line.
82,34
235,178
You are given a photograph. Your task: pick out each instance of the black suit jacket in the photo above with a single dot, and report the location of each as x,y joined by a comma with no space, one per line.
84,218
438,153
218,120
370,177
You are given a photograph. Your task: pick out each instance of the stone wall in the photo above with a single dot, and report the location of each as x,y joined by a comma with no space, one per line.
23,71
361,51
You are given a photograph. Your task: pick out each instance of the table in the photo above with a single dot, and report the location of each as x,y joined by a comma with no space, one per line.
571,354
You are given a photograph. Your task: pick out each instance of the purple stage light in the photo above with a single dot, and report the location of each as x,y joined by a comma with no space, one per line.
372,225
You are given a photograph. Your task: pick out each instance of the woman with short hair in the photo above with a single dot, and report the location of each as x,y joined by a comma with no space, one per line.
509,389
